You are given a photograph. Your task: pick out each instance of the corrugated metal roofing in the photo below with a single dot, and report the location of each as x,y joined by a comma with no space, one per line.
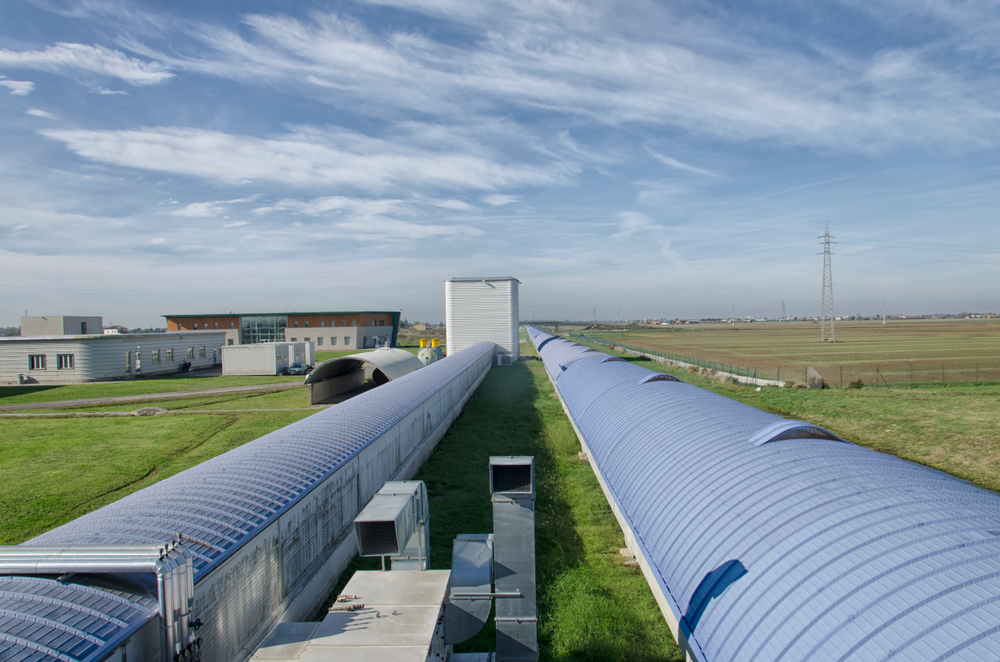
218,506
394,363
771,546
43,619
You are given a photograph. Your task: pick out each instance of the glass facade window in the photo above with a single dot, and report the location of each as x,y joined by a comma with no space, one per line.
319,341
170,355
263,328
347,340
201,352
154,356
190,352
333,340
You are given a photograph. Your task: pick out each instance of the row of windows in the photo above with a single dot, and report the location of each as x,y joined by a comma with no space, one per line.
67,361
63,361
319,341
322,323
232,325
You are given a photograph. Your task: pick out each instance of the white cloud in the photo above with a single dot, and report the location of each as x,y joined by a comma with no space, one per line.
159,240
308,157
101,90
499,199
592,63
633,222
40,113
235,224
19,88
209,209
96,59
454,205
680,165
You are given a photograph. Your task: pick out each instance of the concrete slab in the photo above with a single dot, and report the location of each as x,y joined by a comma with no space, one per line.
286,641
400,587
366,654
379,625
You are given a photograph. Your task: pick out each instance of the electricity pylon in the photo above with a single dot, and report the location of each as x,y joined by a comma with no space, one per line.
827,333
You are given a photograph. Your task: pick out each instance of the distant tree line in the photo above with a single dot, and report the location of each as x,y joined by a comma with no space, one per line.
10,331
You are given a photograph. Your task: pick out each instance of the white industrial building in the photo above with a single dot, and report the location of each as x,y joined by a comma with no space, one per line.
269,358
478,309
60,359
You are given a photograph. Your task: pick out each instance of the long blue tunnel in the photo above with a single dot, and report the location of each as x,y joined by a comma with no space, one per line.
766,539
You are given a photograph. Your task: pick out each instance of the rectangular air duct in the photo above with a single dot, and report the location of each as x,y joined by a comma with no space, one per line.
512,486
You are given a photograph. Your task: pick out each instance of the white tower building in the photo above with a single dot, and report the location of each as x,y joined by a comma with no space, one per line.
482,308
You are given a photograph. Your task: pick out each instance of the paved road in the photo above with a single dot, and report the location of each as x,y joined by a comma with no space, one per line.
146,396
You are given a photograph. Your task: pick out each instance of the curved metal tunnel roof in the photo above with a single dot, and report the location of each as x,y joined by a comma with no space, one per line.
218,506
394,363
772,544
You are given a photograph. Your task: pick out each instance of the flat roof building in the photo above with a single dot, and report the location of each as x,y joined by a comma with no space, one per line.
61,359
61,325
326,330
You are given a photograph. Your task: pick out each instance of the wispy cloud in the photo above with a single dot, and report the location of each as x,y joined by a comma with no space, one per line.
500,199
235,224
19,88
633,222
101,90
63,57
40,113
307,157
590,64
209,209
680,165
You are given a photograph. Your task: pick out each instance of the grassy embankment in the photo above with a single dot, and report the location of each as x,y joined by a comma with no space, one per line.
591,606
11,395
952,428
861,347
56,469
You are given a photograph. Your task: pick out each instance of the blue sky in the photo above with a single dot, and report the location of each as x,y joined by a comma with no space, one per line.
662,159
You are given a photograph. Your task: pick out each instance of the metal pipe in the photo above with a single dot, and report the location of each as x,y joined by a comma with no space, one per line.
79,550
91,565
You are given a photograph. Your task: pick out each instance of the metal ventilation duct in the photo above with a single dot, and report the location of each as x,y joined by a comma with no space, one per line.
512,485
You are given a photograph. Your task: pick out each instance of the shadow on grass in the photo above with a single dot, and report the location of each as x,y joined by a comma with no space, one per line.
11,391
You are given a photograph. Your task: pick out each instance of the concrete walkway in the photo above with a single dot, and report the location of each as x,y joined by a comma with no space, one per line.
146,396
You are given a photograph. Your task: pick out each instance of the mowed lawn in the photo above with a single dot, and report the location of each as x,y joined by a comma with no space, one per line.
13,395
55,469
861,347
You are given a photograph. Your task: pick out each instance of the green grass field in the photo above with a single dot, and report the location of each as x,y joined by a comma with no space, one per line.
11,395
861,347
56,469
